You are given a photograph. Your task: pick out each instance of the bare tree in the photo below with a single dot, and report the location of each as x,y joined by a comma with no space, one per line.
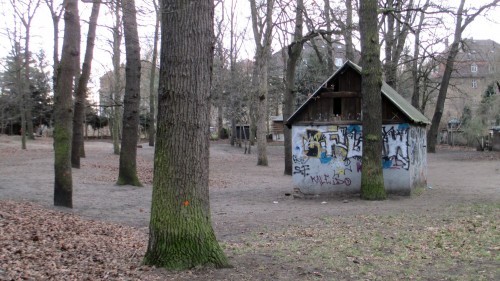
415,99
180,231
77,149
262,25
398,16
463,18
127,174
372,177
26,13
55,12
63,107
294,52
116,93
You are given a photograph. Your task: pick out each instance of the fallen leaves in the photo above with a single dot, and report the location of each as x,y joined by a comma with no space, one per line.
41,244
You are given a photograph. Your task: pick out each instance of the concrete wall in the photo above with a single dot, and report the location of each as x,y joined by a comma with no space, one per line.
327,159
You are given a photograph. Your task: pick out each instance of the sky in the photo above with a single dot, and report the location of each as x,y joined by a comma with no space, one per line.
484,27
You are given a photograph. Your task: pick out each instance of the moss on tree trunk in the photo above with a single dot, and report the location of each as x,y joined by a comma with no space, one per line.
181,234
372,177
63,108
127,174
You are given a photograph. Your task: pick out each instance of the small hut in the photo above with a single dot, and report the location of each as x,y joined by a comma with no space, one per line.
327,139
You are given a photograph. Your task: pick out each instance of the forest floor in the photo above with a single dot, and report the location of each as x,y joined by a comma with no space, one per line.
449,231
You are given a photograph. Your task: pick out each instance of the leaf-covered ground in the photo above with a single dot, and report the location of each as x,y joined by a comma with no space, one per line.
461,243
41,244
448,232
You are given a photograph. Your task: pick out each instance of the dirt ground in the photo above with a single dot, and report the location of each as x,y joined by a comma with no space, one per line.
245,198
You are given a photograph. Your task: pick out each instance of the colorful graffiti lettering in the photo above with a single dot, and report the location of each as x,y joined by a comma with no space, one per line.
395,147
330,156
346,143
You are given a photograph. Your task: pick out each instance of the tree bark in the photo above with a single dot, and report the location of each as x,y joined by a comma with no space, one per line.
152,82
81,91
349,46
127,174
117,85
294,52
329,43
372,177
63,107
21,92
263,39
180,231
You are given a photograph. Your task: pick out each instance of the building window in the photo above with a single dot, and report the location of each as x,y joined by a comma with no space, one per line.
474,83
473,68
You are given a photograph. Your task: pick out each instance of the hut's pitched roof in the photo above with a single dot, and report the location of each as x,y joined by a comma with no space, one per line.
401,103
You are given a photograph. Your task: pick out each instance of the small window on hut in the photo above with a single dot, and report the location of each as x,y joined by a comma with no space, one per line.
337,106
347,109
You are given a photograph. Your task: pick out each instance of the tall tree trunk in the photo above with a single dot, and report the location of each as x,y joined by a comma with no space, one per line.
415,98
152,82
329,43
56,16
263,39
180,231
117,85
349,46
81,90
294,51
372,177
28,101
22,93
31,7
63,107
127,174
262,103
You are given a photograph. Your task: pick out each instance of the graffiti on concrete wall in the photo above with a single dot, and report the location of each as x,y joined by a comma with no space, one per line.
418,155
331,155
395,146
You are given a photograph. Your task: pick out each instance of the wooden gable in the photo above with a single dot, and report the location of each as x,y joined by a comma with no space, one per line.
338,101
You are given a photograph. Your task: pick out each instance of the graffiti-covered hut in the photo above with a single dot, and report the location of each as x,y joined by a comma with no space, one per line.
327,139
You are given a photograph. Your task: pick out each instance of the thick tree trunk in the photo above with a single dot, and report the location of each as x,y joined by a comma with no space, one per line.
63,108
81,91
152,83
127,174
294,52
372,177
180,232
